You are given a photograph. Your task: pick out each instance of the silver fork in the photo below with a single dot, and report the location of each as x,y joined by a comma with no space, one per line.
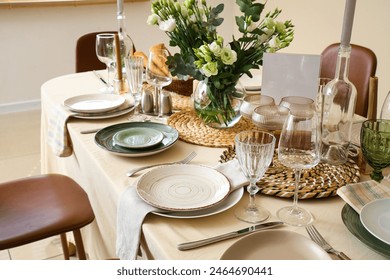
188,158
317,237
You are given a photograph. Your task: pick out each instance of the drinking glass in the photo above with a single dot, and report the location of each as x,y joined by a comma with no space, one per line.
158,76
250,102
297,103
134,71
299,148
385,111
254,151
270,118
375,145
105,52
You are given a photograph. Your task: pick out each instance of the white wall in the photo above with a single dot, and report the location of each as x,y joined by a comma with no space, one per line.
37,44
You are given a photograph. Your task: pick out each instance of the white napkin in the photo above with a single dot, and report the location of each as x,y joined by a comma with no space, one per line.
58,136
359,194
132,211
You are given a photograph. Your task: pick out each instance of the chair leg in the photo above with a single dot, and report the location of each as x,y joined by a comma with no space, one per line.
79,244
64,243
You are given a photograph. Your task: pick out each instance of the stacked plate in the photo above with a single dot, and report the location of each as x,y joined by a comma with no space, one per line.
136,139
98,106
372,226
187,191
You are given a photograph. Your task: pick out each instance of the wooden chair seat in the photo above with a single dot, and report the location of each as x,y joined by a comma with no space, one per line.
39,207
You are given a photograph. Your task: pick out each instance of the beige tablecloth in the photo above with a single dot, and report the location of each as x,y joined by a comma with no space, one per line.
103,177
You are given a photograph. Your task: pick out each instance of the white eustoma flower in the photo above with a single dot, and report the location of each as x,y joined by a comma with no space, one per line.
280,27
152,19
215,48
210,69
168,25
274,42
228,56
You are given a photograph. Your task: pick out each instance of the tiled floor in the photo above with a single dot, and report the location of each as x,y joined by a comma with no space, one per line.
20,157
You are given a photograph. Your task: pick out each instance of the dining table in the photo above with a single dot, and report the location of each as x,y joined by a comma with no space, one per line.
102,174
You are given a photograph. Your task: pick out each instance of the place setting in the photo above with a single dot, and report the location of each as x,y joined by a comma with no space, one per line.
92,106
179,191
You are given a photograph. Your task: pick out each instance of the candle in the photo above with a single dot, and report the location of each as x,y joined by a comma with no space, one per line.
118,57
348,21
120,7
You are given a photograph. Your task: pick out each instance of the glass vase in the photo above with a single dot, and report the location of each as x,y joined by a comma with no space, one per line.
218,108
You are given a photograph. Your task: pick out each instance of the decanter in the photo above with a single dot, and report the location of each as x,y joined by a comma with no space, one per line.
125,40
338,108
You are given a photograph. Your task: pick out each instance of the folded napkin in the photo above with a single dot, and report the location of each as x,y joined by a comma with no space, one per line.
132,211
359,194
58,137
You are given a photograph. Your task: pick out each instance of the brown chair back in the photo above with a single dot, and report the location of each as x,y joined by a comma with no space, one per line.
86,59
363,63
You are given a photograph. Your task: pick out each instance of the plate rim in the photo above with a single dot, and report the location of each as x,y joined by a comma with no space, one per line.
135,152
110,97
163,207
147,145
368,223
272,232
210,211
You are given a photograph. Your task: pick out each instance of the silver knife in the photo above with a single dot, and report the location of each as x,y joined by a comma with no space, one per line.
239,233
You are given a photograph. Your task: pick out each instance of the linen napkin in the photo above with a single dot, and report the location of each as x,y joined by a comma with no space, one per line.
132,211
58,136
359,194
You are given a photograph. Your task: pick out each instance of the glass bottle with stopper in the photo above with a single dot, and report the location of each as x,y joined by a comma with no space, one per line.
126,48
339,100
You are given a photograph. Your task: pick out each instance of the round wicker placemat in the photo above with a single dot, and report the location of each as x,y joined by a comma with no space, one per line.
320,181
194,130
181,102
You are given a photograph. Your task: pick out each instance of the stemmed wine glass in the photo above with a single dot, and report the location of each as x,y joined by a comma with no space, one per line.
105,52
158,76
299,148
254,151
375,144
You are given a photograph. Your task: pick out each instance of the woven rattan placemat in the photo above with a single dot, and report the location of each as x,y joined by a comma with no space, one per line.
320,181
194,130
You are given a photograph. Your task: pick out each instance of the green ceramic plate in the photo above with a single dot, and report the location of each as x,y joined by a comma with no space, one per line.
352,221
138,137
104,139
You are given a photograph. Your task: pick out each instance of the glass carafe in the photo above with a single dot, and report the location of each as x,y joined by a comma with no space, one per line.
337,111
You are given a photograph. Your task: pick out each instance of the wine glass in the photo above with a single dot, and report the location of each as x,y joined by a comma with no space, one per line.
375,144
299,148
385,111
158,76
254,151
105,52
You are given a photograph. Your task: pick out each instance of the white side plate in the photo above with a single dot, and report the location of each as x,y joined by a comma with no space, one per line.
375,217
94,103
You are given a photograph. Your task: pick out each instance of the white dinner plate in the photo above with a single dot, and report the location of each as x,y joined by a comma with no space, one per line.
275,245
226,204
138,137
94,103
183,187
375,217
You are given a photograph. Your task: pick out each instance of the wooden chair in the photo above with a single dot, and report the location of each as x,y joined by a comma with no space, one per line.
86,59
39,207
362,69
